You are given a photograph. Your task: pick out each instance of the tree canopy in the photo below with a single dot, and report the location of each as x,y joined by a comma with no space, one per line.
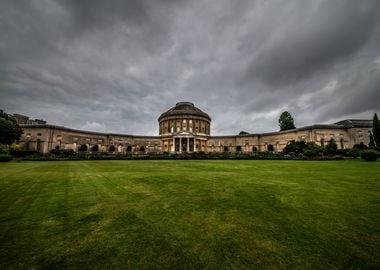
286,121
10,131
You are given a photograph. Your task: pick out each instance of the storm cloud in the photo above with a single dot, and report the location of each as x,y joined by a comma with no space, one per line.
117,65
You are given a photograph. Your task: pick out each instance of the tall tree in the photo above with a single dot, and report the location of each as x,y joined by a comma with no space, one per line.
376,130
10,131
286,121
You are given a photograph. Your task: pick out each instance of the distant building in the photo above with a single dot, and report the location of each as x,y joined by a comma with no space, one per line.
25,120
185,128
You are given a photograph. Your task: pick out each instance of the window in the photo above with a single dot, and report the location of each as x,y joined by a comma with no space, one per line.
39,134
322,142
238,148
83,148
225,148
254,149
270,148
341,143
190,129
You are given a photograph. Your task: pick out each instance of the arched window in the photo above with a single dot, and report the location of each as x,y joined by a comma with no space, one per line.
270,148
254,149
95,148
225,148
129,148
142,148
83,148
238,148
111,148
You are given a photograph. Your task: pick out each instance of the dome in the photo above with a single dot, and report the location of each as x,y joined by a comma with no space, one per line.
184,108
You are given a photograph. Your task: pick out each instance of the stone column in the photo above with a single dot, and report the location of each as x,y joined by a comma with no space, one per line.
188,145
180,144
173,147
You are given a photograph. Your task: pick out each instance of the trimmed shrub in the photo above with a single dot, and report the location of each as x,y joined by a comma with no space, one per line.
313,150
4,149
62,152
354,153
22,153
370,155
360,146
5,157
331,147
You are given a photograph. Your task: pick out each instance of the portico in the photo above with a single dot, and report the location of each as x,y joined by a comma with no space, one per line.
183,144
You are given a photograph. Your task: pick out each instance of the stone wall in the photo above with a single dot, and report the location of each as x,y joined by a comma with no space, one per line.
44,138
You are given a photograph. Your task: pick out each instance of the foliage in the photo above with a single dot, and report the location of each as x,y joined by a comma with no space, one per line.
10,131
22,153
355,153
62,152
360,146
370,155
331,147
295,147
286,121
5,157
4,149
313,150
376,130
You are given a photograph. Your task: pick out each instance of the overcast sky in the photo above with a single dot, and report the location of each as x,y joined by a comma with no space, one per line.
115,66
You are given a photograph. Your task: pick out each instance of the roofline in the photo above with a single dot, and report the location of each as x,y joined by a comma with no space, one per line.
84,131
316,126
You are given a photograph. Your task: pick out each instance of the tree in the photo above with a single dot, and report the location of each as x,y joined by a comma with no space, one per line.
294,147
376,130
371,141
10,131
286,121
331,147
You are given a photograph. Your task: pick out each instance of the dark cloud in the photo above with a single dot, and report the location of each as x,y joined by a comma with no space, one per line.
308,37
117,65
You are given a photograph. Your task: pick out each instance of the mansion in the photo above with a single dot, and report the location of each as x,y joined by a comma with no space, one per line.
186,128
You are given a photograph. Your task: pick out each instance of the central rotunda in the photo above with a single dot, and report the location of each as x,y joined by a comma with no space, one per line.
184,128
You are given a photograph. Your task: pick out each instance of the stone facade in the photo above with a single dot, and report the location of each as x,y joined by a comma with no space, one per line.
185,128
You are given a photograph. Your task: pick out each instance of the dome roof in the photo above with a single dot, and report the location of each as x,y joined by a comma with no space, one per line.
186,108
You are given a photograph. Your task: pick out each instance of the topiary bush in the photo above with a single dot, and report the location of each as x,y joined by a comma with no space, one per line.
370,155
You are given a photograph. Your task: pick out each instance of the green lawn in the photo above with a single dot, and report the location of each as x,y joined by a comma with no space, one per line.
190,214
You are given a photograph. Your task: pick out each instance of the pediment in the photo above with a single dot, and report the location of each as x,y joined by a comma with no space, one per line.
184,133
